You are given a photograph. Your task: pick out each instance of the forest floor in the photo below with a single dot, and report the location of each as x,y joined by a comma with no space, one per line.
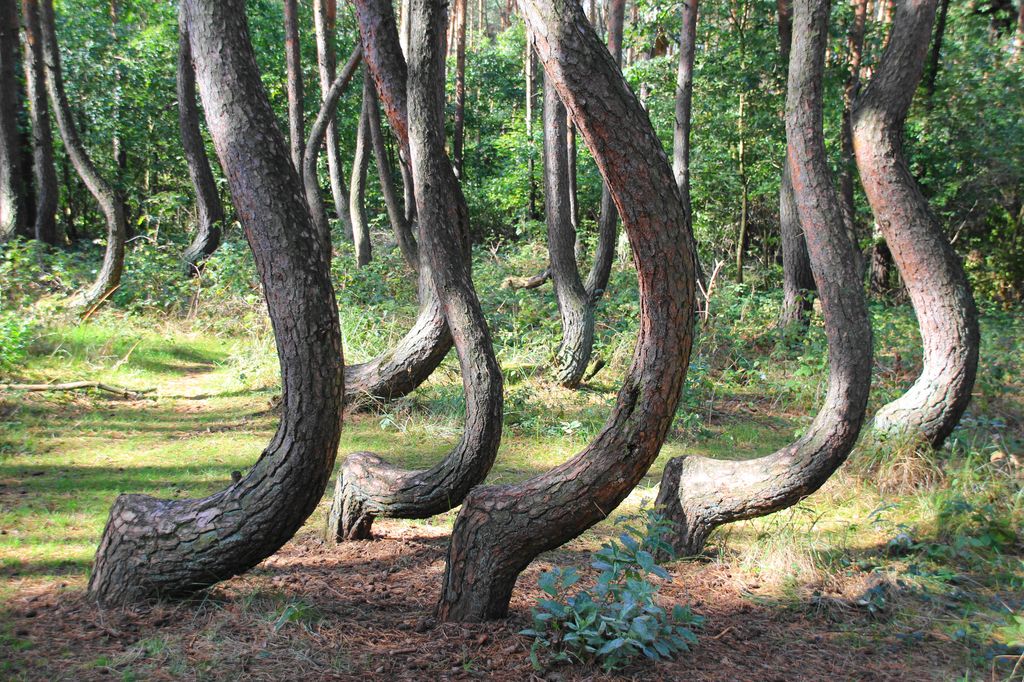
905,566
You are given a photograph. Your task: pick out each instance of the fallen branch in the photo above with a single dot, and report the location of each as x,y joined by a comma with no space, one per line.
527,282
76,385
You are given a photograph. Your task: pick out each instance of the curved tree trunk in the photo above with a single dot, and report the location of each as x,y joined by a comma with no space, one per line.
164,548
13,213
369,487
797,278
500,529
209,210
357,188
700,494
325,14
930,268
106,196
324,119
44,170
293,60
574,303
396,214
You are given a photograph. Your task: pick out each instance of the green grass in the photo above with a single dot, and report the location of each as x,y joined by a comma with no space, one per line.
64,457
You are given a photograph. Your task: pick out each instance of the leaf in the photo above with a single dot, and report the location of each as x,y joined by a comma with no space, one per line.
611,646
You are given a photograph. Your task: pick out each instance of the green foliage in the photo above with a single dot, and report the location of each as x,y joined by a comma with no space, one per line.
16,333
618,619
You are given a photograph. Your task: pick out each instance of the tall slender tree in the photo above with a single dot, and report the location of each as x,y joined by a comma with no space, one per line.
700,494
105,194
44,170
325,16
163,548
931,270
293,60
357,187
500,529
459,131
13,213
209,209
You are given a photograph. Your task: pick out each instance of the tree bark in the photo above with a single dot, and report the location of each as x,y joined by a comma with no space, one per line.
13,207
357,188
459,132
684,100
324,119
325,14
396,215
163,548
209,210
106,196
797,278
931,271
574,303
44,170
369,487
935,60
700,494
855,43
531,98
500,529
293,60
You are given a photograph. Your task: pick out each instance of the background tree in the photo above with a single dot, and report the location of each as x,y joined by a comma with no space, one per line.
44,170
325,16
293,58
13,218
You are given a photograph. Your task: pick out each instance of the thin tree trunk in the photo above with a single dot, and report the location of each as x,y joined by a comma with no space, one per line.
396,215
700,494
209,210
357,188
325,14
459,134
293,60
797,278
930,268
165,548
574,303
13,207
106,196
327,114
368,486
500,529
117,145
684,101
847,165
44,170
531,98
741,241
935,60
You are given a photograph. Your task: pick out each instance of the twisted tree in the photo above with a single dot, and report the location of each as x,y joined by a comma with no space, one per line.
500,529
110,202
157,548
933,274
369,487
209,210
700,494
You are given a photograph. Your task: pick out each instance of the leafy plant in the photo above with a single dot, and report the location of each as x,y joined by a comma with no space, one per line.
618,619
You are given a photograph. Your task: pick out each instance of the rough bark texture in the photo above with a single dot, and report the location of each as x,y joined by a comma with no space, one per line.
324,119
209,210
930,268
325,13
500,529
401,227
700,494
163,548
357,187
106,196
797,278
293,61
369,487
13,213
44,170
574,303
684,100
